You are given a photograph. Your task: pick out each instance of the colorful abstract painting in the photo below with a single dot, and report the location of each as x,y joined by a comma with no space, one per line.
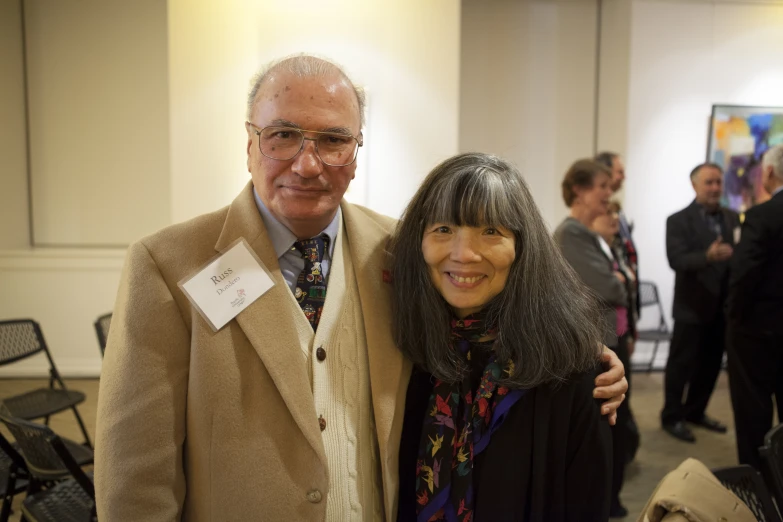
739,137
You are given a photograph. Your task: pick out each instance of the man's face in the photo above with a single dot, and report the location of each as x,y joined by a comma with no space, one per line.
708,184
618,173
302,193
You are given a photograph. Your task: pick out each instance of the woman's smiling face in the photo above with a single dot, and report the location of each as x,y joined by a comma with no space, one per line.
468,265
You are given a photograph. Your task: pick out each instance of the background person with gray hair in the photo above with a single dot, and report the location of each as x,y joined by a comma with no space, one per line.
755,309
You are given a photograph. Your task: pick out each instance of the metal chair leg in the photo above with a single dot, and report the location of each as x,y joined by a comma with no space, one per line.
8,498
652,359
83,427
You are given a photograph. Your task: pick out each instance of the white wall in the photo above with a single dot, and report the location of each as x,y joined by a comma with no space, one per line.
614,76
685,56
98,101
65,291
14,222
405,52
528,88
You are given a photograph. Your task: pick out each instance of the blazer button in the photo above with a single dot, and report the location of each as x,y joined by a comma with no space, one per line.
322,423
320,354
314,496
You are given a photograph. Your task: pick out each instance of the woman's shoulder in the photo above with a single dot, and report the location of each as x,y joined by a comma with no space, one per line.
576,389
571,228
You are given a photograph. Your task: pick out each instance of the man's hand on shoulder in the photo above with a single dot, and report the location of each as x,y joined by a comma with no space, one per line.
611,385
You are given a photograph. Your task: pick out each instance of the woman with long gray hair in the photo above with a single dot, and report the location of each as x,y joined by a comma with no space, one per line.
500,421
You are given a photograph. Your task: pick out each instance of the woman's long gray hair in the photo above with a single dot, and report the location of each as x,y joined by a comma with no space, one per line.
547,320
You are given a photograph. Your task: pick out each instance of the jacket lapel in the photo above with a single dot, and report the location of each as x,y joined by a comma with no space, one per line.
269,323
389,370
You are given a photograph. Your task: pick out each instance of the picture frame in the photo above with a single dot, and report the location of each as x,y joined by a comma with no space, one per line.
739,136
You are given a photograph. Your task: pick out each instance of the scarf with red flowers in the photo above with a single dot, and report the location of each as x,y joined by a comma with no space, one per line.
458,425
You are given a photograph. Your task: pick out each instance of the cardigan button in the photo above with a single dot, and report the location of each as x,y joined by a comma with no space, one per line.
314,496
320,354
322,423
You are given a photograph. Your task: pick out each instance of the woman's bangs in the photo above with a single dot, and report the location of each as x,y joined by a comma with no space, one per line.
474,198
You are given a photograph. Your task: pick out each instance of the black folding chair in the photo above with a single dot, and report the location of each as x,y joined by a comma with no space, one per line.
22,338
59,490
13,476
102,325
649,297
772,455
747,483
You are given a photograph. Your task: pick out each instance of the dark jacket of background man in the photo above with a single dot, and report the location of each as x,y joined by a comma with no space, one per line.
755,302
699,286
755,315
699,243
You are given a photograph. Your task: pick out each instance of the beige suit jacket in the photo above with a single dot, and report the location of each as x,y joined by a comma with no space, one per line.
691,493
198,425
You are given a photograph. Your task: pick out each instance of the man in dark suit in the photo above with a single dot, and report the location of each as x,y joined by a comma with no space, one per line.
755,316
699,244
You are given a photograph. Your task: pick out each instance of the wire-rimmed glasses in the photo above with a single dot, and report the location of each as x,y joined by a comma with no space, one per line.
283,143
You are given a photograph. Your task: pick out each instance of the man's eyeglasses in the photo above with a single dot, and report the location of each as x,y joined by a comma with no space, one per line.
283,143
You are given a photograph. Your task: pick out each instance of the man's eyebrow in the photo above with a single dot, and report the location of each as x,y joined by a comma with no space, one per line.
339,130
285,123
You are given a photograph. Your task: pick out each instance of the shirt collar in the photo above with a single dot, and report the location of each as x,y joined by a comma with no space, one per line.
283,239
777,190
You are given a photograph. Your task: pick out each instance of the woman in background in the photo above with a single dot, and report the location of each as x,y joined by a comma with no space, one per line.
500,421
586,192
607,227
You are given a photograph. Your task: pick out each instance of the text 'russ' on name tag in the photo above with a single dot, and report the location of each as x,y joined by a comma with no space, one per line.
227,285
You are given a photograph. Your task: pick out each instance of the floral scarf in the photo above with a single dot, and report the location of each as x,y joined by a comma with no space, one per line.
458,425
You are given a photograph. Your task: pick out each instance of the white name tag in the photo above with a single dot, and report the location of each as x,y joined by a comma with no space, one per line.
227,285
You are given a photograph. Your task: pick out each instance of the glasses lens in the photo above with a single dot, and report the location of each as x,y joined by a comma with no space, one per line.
280,143
337,149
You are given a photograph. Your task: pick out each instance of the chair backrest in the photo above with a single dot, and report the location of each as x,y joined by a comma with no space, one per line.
102,325
9,457
745,482
20,338
772,453
648,293
42,460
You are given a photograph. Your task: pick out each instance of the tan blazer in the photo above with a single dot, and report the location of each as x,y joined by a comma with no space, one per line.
198,425
692,493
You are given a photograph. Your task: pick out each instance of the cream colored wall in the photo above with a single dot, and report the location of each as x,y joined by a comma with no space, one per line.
97,78
405,52
684,57
528,87
65,291
14,227
98,92
614,75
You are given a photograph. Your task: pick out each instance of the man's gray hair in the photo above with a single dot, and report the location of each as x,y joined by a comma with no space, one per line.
774,158
302,66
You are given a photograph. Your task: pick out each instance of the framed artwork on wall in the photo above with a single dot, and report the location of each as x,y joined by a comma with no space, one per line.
739,137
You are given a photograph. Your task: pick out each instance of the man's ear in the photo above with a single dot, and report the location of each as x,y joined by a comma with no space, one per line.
249,130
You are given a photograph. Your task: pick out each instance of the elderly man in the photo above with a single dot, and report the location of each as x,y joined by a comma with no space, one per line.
281,401
699,243
755,309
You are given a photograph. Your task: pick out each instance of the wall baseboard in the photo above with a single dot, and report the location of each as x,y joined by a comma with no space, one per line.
37,368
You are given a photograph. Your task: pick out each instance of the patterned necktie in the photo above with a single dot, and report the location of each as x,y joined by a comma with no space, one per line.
311,284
